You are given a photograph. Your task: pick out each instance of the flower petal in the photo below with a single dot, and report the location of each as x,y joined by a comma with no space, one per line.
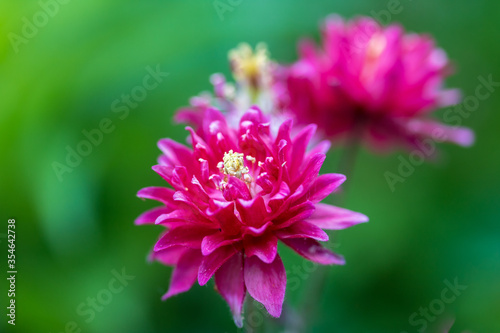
460,135
236,189
300,142
223,212
184,274
253,212
277,200
265,247
213,261
335,218
324,185
322,147
164,171
170,256
302,229
295,214
266,283
312,250
189,235
231,285
212,242
150,216
256,231
175,153
176,216
311,170
161,194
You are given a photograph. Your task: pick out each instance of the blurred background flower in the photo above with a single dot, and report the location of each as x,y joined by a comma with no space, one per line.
88,88
371,83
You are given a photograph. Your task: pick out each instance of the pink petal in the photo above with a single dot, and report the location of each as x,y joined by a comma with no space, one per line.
322,148
176,153
312,250
335,218
189,235
253,212
284,132
265,247
212,242
231,285
164,171
266,283
300,143
213,261
193,207
170,256
254,115
459,135
292,199
256,231
223,212
189,115
324,185
179,215
277,200
302,229
180,178
184,274
150,216
201,147
311,170
295,214
161,194
236,189
449,97
283,139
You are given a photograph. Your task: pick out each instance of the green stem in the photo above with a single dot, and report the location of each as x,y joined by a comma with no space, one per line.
317,283
249,309
347,163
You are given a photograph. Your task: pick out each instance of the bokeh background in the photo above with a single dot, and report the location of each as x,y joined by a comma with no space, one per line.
442,223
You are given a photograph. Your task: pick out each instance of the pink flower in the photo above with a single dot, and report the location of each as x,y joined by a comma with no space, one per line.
371,81
234,195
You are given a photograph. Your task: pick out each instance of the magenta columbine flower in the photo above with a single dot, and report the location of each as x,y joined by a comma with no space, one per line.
234,195
371,81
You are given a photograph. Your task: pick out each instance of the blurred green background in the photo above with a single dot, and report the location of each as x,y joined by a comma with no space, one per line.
73,235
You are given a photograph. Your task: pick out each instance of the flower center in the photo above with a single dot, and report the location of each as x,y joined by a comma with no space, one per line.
233,164
374,49
248,66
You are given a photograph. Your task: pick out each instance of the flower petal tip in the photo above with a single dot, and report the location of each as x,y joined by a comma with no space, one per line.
274,309
238,320
466,137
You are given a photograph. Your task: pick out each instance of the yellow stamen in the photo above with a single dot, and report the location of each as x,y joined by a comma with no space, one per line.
374,49
233,164
248,66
